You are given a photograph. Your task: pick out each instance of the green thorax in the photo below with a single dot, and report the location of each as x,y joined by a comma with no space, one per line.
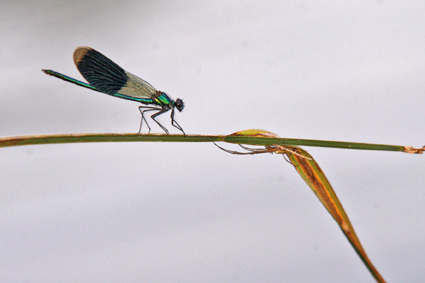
162,99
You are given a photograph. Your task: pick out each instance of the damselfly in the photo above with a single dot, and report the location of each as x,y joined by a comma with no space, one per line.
107,77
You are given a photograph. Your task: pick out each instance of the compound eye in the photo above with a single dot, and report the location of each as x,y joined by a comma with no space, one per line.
179,104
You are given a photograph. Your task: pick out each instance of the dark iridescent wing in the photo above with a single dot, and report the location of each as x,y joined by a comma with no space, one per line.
106,76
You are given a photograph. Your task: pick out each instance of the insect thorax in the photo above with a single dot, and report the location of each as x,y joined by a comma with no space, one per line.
161,98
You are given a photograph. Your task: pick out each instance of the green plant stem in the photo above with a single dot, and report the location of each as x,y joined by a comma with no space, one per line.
264,141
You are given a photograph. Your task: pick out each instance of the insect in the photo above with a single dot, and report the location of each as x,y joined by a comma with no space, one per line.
107,77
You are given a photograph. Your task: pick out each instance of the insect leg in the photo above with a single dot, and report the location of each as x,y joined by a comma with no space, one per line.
174,122
147,108
161,111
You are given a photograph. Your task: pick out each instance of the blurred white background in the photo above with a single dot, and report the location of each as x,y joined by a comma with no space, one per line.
170,212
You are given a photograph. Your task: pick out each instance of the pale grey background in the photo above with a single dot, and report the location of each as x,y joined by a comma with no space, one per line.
152,212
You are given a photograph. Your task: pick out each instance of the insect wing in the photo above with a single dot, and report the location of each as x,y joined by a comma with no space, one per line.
137,87
106,76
